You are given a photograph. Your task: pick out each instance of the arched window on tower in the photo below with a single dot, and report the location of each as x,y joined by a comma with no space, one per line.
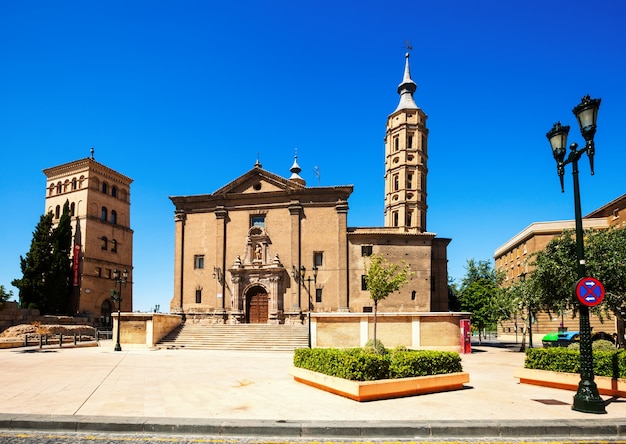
57,212
105,188
396,182
395,218
72,209
74,183
59,188
105,243
113,217
113,246
51,190
103,214
114,191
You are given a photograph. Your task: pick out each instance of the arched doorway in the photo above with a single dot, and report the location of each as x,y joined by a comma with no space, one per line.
105,314
256,305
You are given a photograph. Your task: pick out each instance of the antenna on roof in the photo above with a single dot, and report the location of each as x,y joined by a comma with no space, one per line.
316,171
91,151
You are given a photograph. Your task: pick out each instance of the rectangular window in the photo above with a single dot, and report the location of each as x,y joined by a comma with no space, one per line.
198,261
396,182
366,250
395,218
257,220
99,271
396,143
198,296
318,258
409,218
318,295
409,181
363,282
410,141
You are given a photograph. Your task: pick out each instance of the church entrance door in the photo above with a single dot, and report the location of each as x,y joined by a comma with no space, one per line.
257,306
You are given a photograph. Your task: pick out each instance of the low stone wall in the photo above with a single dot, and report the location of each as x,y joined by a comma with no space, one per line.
415,330
144,329
13,315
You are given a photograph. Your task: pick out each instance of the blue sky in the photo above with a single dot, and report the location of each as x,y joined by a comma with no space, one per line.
183,96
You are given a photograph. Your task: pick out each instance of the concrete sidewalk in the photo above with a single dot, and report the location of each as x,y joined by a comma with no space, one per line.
251,394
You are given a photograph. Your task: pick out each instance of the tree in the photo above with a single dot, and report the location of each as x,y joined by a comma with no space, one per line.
4,296
46,269
382,279
481,295
524,302
555,275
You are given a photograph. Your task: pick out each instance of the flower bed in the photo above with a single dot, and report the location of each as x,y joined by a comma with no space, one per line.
365,376
381,389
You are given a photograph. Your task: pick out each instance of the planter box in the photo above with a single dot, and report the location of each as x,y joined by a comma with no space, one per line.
382,389
569,381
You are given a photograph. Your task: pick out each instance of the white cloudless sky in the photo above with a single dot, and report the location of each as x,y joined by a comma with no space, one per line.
184,96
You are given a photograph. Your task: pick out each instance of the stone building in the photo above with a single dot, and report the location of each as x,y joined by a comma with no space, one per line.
99,200
268,249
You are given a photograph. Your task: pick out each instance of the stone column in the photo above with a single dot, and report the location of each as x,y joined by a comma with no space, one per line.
176,305
342,255
295,213
221,216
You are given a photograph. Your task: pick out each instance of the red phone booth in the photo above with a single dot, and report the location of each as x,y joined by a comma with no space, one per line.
466,336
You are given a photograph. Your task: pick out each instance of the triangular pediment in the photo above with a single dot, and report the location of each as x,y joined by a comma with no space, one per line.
258,180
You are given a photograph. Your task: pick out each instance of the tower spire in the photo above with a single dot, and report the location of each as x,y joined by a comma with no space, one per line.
295,170
407,88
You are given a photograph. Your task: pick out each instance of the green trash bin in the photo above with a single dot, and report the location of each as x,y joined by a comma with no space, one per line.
550,340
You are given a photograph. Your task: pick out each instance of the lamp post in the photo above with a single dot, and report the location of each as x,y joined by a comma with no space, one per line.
308,279
587,398
116,296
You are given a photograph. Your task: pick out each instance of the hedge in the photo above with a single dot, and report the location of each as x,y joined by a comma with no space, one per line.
357,364
559,359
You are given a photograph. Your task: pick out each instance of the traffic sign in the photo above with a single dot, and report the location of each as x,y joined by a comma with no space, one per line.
590,291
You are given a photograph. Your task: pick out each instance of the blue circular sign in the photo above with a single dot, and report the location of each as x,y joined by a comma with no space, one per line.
590,291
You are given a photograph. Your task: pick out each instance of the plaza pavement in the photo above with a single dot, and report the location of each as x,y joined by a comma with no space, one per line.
235,393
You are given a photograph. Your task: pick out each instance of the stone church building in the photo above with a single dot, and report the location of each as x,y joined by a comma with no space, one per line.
268,249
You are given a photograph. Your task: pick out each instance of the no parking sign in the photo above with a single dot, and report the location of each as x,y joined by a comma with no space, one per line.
590,291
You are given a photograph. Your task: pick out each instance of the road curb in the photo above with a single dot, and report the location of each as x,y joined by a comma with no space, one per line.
598,428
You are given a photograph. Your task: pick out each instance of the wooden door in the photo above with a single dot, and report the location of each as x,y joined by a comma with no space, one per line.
258,310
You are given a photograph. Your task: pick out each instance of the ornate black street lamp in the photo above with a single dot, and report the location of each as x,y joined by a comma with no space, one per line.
587,398
116,296
308,279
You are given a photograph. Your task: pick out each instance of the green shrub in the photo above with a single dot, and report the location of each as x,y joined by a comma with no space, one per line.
407,364
362,365
378,348
558,359
600,344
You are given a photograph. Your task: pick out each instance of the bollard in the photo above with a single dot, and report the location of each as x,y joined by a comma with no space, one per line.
40,341
74,338
60,339
25,340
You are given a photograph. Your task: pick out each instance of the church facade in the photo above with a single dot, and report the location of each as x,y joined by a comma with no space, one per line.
270,249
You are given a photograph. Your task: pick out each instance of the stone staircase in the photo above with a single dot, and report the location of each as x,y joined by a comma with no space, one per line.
256,337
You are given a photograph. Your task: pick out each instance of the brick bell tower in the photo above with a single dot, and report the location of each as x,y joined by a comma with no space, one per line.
406,155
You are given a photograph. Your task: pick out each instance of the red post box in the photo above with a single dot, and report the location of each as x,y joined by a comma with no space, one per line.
466,336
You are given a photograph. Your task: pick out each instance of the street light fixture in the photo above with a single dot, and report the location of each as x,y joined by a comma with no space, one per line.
116,296
587,398
309,279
